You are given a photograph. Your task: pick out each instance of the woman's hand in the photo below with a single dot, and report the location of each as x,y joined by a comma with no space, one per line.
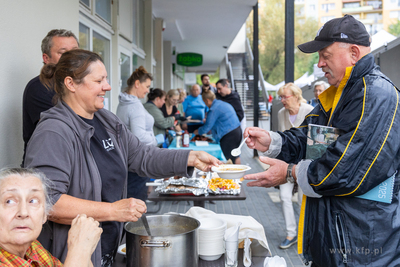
178,128
258,138
128,210
83,237
202,160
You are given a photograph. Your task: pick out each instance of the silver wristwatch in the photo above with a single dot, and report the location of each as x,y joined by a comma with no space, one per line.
289,176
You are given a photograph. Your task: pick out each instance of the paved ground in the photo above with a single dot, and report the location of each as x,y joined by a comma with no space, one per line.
261,203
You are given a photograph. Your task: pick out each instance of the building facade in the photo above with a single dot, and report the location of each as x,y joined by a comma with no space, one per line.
375,14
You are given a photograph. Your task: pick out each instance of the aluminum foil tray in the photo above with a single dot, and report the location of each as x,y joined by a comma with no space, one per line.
184,185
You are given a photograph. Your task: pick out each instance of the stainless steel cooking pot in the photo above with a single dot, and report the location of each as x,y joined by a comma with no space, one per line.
173,242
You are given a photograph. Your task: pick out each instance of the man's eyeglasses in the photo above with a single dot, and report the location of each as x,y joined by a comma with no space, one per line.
284,97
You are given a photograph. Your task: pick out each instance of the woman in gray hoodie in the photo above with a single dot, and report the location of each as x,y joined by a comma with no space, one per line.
87,151
130,109
132,113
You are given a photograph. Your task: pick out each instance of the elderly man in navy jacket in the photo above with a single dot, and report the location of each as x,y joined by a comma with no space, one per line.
339,225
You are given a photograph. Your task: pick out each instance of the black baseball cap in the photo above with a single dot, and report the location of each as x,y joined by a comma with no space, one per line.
346,29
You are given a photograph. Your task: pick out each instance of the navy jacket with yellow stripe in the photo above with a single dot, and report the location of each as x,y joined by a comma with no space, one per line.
339,229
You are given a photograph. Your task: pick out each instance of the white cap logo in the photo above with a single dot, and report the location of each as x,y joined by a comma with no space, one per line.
320,29
343,36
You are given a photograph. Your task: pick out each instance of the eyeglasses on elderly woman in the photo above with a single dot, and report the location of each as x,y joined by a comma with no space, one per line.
284,97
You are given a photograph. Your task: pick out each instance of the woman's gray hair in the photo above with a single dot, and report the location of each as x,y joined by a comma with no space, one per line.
24,173
324,84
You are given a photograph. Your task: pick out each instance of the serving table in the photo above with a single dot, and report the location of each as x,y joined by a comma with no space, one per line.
120,261
197,200
213,149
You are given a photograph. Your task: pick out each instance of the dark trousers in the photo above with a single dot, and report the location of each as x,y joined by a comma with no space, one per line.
231,141
192,128
137,186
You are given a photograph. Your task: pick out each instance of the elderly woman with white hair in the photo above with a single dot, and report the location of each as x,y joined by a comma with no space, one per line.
24,208
319,87
291,115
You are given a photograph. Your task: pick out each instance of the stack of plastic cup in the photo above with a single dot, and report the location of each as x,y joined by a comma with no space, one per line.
231,239
211,238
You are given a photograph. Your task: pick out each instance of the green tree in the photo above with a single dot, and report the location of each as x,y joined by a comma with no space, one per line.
395,28
305,30
272,40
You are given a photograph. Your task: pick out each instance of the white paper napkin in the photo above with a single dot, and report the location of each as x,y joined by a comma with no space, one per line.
249,228
247,252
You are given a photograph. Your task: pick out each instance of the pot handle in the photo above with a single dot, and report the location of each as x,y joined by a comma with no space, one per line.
155,243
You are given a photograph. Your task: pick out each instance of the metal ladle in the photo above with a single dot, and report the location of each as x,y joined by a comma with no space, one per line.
146,224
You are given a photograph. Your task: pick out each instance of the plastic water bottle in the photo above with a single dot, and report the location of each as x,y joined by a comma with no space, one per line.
186,139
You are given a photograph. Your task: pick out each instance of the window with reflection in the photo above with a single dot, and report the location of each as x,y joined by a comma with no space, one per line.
141,24
134,20
125,70
85,2
101,46
137,62
84,37
103,9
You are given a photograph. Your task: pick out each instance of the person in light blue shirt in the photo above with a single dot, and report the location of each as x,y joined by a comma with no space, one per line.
223,123
195,107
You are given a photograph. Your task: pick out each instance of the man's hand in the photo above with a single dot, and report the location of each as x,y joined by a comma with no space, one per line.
258,138
275,175
202,160
196,132
128,209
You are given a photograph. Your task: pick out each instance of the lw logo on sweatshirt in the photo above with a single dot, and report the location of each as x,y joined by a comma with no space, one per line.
108,144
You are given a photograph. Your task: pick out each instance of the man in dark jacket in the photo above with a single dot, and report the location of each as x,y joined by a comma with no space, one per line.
37,98
339,225
226,94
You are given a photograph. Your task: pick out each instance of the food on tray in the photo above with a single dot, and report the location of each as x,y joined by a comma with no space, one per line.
123,250
201,138
218,183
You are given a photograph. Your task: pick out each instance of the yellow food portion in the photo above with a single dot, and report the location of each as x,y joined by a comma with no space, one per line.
227,169
224,184
123,250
